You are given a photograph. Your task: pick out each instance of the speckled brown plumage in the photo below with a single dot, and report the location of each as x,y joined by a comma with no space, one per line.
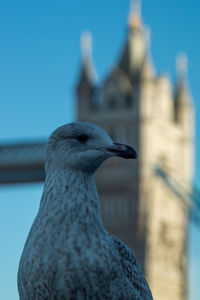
68,254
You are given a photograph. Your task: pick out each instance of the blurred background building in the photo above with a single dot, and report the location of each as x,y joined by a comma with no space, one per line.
138,108
147,203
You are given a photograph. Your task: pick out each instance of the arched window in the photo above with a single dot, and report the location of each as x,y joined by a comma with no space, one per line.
112,133
128,101
112,102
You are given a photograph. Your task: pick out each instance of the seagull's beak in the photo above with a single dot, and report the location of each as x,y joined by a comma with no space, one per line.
122,151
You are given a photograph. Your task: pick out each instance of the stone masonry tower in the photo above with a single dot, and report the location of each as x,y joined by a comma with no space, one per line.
142,201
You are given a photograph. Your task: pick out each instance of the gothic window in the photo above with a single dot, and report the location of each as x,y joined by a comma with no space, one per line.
112,134
128,101
129,135
96,99
116,207
112,102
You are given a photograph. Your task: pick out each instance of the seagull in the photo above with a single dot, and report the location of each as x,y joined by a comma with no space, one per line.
68,253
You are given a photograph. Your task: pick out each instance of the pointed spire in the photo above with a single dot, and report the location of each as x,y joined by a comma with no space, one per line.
88,74
147,33
134,19
86,45
134,52
181,77
148,70
182,96
181,66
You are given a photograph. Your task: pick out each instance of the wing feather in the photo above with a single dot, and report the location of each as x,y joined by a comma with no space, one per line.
132,269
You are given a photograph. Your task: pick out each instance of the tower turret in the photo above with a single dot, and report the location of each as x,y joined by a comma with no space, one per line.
184,116
88,77
147,69
134,51
183,101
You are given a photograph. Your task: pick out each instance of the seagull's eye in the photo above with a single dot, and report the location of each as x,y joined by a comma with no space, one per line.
82,138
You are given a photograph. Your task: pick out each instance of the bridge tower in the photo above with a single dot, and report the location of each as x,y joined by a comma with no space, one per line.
137,107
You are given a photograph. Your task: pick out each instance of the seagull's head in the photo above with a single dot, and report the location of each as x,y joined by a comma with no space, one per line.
84,146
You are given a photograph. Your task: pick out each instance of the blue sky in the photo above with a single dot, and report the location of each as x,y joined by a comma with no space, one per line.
39,64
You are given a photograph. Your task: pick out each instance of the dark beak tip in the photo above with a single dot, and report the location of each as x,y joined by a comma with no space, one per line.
135,155
124,151
130,154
